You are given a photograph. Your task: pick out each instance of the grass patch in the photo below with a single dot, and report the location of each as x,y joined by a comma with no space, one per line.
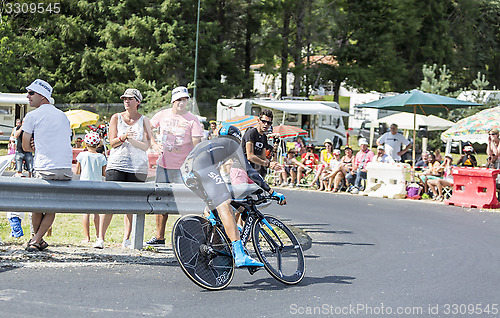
67,229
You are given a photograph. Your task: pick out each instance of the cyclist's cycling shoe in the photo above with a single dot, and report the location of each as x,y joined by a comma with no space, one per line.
240,258
211,218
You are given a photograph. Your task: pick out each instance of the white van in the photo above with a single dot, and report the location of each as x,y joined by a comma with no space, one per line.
325,118
12,106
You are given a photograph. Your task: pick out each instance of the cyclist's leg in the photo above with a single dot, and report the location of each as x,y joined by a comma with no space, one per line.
213,190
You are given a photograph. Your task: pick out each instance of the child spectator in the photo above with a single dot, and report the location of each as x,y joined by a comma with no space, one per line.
92,167
12,146
467,159
310,160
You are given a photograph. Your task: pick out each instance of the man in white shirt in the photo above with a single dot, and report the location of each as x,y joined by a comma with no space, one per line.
393,143
46,130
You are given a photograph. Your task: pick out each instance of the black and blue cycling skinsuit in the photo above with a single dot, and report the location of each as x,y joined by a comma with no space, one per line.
200,170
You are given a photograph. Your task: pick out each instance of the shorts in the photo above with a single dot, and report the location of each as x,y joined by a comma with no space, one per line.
205,182
65,174
290,168
27,158
117,175
168,175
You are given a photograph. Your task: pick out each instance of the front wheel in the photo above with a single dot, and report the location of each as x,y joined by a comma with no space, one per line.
203,252
279,250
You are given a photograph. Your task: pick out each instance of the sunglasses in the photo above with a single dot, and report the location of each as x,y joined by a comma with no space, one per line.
493,134
31,93
266,122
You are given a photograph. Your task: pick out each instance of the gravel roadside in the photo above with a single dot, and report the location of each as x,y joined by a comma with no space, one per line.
112,255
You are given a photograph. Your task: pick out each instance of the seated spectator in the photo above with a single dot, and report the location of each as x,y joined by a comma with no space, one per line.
343,169
324,161
467,159
358,172
329,174
300,147
310,160
434,171
291,165
436,185
423,163
382,156
437,153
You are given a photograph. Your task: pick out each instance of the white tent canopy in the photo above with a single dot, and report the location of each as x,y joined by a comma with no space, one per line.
13,98
304,107
405,121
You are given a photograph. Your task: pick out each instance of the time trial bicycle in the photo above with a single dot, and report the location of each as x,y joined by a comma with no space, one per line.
203,249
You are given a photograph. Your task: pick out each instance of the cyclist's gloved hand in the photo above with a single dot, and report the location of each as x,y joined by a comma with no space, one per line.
281,197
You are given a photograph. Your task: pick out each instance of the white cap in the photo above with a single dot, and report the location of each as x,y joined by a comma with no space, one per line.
362,141
41,87
178,93
381,147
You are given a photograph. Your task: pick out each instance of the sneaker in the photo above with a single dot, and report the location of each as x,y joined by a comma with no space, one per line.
291,185
99,244
355,191
127,244
153,241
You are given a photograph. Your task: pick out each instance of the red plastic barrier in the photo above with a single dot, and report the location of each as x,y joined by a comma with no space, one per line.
474,187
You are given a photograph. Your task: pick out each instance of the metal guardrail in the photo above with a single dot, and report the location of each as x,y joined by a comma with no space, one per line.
37,195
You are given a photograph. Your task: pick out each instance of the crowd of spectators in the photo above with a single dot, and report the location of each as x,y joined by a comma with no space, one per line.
332,172
174,132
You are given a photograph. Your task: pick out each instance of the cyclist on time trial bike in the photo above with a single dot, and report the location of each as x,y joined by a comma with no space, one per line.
200,172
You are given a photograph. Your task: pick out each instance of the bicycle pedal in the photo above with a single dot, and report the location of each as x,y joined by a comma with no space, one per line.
253,269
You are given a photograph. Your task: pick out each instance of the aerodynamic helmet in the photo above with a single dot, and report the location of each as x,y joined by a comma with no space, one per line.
231,131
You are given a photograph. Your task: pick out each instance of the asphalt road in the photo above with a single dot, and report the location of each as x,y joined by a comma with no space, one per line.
369,258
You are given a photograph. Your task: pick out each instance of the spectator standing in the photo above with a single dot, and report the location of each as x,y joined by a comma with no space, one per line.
212,132
180,131
254,144
493,149
467,159
393,143
129,137
52,140
22,157
358,172
79,142
91,165
382,156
